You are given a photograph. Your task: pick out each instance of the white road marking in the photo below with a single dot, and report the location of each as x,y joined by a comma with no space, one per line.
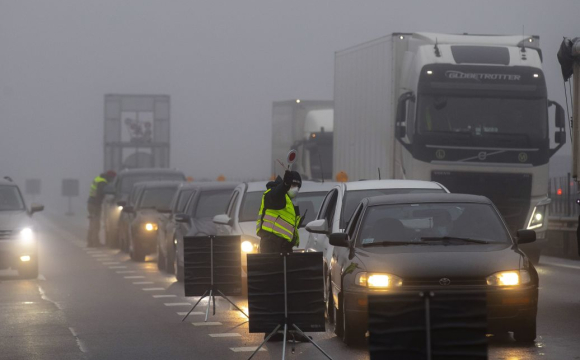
41,277
126,272
143,282
246,349
117,267
164,296
153,289
134,277
178,304
80,344
183,313
225,335
210,323
553,263
104,259
99,255
111,263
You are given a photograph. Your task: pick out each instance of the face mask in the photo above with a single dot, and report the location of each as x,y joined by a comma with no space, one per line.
293,192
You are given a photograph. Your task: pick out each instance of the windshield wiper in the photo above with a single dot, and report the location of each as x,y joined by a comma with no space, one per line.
391,243
438,238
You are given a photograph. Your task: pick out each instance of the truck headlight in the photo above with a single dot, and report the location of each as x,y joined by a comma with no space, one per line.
537,219
509,278
151,227
378,281
27,236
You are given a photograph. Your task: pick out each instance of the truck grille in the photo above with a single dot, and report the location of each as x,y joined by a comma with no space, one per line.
6,234
511,193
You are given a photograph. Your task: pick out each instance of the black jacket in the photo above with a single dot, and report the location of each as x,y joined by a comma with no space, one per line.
276,200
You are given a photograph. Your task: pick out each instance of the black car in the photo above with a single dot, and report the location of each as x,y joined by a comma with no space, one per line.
120,191
207,201
145,219
426,242
18,238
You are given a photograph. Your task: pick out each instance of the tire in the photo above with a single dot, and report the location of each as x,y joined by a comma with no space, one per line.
179,271
338,322
534,256
29,270
170,261
137,254
526,332
351,334
329,303
161,262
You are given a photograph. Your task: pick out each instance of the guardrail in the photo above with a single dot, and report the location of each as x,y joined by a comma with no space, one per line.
563,191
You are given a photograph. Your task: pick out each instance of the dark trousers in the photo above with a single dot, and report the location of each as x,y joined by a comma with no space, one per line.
270,243
94,224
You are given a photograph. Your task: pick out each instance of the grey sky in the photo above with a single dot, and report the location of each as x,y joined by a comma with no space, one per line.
222,63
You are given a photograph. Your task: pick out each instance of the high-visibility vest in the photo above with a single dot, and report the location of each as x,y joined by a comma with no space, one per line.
95,185
281,222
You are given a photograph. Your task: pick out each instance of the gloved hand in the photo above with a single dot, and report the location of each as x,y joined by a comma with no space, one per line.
288,178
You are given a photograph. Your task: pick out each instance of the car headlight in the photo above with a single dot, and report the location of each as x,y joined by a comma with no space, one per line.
378,281
509,278
249,246
27,236
151,227
537,219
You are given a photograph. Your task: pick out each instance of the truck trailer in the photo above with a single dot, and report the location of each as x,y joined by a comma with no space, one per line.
468,111
306,126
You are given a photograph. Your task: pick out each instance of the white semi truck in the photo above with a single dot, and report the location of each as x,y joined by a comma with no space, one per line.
304,125
467,111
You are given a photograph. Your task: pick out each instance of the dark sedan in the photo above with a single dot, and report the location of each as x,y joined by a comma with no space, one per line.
426,242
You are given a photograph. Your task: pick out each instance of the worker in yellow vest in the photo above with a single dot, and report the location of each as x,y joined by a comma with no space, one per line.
94,205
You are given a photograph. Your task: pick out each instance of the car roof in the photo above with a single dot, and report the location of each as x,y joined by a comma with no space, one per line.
214,185
6,182
307,186
392,184
426,198
127,172
157,184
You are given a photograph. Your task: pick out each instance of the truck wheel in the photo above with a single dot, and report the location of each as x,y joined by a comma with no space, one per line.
28,270
160,259
526,332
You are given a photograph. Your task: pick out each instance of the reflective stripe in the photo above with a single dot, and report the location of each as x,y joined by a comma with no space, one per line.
95,185
274,221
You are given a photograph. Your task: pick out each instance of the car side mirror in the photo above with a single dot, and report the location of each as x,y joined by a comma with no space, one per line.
182,218
129,209
339,240
36,208
122,203
319,226
109,189
222,219
164,210
526,236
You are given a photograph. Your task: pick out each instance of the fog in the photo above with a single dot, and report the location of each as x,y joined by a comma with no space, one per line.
222,63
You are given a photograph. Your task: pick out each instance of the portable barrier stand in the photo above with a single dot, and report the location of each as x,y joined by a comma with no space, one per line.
277,301
212,265
430,325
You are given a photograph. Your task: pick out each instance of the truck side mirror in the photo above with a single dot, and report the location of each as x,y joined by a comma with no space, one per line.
401,125
560,122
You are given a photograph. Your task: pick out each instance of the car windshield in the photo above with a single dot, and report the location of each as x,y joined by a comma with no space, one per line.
128,181
10,199
353,197
480,116
251,206
156,198
182,201
211,203
308,202
433,223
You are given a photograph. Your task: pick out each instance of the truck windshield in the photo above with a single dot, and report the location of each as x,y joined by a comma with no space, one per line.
10,199
157,198
483,116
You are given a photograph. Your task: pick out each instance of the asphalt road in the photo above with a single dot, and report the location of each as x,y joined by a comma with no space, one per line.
98,304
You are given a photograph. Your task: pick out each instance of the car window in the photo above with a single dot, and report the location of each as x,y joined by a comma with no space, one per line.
181,202
156,198
324,206
10,198
430,221
353,222
329,213
232,204
308,203
251,204
353,197
211,203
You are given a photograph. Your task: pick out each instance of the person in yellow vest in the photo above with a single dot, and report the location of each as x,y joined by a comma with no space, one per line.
95,202
279,218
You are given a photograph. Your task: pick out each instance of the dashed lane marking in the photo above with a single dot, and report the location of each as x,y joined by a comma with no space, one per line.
183,313
104,259
80,344
153,289
117,267
246,349
209,323
41,277
178,304
225,335
126,272
99,255
164,296
134,277
143,282
111,263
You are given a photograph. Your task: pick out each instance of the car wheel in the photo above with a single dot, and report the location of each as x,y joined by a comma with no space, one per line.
28,270
136,254
179,271
329,304
160,259
534,256
351,334
337,315
526,332
170,261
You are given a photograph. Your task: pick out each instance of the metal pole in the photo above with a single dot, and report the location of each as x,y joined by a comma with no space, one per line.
201,298
428,325
568,196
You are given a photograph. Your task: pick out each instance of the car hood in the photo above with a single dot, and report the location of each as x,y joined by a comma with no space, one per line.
147,214
438,260
202,227
248,228
10,220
